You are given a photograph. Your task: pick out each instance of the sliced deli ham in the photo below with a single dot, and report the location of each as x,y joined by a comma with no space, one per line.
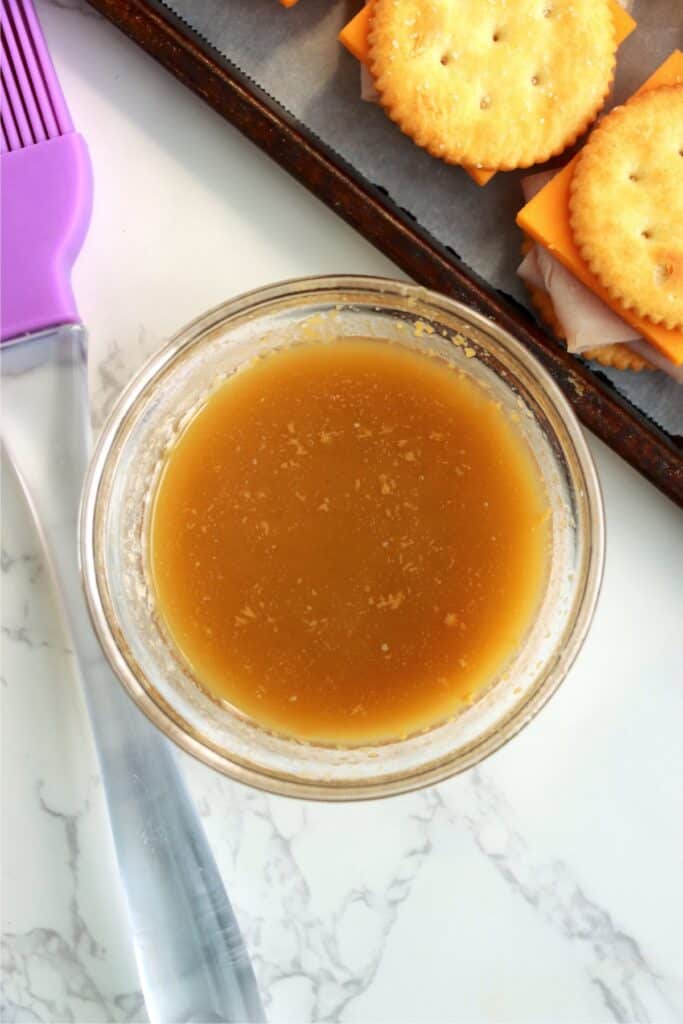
586,320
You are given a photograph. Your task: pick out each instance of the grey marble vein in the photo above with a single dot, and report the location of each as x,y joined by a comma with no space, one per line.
47,974
25,631
290,940
31,562
631,987
294,943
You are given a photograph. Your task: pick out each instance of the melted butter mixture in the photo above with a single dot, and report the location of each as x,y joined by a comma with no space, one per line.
349,541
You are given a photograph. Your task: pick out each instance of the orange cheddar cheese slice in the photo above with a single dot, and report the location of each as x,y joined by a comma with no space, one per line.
623,22
546,219
354,36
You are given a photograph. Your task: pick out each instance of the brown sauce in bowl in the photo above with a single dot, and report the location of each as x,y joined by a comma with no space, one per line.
349,541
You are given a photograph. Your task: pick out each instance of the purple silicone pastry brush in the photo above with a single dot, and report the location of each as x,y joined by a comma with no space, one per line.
192,962
46,182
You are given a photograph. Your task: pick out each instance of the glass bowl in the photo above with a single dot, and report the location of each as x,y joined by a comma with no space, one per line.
160,401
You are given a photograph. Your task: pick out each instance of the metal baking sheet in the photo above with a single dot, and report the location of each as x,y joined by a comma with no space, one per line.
296,58
263,48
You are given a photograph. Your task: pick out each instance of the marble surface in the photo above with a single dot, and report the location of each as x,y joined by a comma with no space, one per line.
544,886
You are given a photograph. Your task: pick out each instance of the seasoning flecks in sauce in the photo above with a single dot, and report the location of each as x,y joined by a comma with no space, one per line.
349,541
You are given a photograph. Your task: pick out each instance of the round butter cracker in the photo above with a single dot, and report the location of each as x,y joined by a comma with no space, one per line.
617,356
626,205
497,84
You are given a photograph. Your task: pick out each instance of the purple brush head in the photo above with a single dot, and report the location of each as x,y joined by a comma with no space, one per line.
46,181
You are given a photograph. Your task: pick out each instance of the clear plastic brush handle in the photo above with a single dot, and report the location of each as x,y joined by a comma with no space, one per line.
191,958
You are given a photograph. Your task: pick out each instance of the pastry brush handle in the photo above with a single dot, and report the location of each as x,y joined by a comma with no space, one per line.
192,962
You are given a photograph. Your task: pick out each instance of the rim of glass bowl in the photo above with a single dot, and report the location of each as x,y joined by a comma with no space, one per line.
336,290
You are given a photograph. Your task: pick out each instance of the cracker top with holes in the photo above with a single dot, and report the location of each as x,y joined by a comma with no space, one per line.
626,204
501,84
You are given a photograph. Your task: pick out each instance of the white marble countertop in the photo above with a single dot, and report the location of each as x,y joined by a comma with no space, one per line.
544,886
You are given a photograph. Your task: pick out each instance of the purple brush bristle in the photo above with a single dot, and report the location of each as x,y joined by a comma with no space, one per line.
46,181
33,105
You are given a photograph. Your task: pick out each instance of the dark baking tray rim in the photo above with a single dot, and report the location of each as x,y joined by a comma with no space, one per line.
196,63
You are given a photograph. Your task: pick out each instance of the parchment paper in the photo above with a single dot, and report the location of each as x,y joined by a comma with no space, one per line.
294,55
